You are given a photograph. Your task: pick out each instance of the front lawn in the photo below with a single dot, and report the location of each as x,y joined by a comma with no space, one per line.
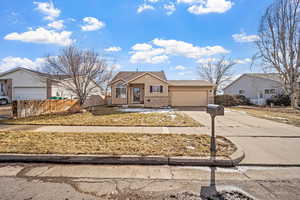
108,116
284,115
111,144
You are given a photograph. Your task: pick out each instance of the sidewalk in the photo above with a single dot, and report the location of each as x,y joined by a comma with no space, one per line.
108,129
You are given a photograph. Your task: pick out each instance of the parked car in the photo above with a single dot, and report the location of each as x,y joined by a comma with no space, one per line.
4,100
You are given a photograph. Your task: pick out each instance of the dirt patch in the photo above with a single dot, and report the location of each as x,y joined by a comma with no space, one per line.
111,144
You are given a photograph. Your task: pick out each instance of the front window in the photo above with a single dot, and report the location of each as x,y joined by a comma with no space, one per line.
121,91
155,88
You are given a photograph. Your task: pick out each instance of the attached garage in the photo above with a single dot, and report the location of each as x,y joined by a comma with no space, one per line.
29,93
190,93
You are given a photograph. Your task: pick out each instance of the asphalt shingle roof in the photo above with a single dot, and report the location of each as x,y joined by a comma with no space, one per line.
189,83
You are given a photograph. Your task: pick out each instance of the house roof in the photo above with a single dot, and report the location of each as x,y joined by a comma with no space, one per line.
46,75
127,75
270,76
267,76
189,83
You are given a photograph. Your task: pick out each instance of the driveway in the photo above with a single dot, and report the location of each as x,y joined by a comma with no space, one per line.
264,142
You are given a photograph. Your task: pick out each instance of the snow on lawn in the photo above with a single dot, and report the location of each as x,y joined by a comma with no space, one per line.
148,110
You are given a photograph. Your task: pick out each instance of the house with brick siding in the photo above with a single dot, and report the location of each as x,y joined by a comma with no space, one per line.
152,89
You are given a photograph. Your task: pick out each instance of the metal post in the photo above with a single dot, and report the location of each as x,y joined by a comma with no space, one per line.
213,137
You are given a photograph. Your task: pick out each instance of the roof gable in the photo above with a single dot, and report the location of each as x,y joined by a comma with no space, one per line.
147,73
22,69
129,75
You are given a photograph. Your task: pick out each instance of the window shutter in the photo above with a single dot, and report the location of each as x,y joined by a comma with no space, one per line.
161,89
150,88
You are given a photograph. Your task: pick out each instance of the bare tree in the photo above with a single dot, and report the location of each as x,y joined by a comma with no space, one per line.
279,43
218,72
85,70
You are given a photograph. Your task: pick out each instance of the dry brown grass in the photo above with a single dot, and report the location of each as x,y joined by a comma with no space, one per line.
283,115
111,144
106,116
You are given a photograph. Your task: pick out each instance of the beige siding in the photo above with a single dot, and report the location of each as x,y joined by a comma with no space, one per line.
149,80
190,96
153,99
114,100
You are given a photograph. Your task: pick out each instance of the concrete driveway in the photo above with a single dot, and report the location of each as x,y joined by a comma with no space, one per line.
265,142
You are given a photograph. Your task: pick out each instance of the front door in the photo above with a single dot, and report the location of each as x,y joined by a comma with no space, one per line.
136,95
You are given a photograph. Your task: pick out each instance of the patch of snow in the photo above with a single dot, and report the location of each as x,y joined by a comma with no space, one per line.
280,118
190,147
147,110
173,116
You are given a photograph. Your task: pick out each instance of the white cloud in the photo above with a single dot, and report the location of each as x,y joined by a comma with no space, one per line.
142,47
42,36
58,25
10,62
200,7
48,9
153,1
113,49
144,7
243,37
190,1
211,6
92,24
170,8
206,60
181,48
153,56
180,67
146,53
243,61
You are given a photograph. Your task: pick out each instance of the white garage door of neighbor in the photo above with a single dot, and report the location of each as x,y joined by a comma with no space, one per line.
189,98
30,93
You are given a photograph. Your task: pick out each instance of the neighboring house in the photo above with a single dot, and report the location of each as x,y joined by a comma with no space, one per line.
25,84
152,89
257,87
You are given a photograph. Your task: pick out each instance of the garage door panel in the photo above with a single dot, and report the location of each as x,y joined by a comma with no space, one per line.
29,93
188,98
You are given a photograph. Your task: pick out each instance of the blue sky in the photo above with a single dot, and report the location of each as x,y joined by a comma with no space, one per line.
170,35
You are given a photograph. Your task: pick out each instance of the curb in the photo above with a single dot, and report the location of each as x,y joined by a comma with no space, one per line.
219,161
230,161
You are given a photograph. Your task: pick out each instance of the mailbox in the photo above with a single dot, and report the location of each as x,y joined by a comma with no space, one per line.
215,110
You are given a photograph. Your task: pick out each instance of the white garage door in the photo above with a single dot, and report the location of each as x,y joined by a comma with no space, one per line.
188,98
29,93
